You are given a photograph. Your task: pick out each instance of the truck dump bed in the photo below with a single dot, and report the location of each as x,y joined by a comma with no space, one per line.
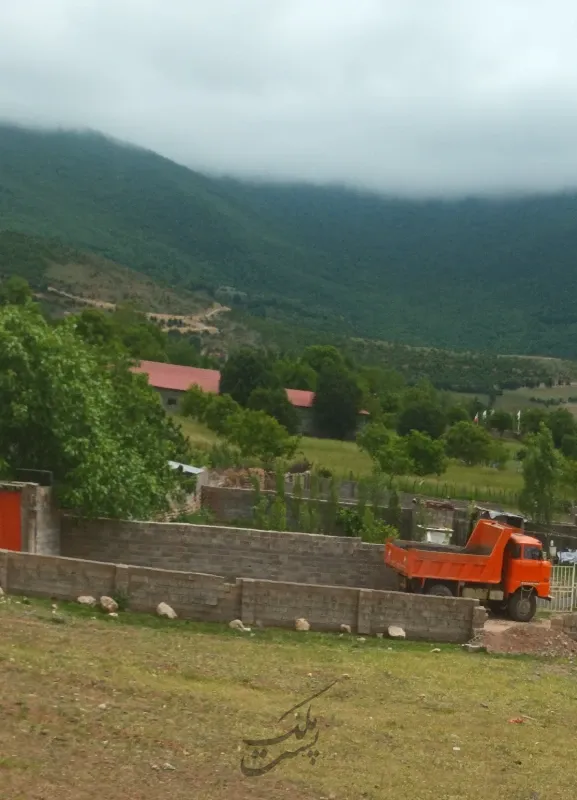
480,561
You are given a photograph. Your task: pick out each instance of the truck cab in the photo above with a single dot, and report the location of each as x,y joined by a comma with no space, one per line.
525,568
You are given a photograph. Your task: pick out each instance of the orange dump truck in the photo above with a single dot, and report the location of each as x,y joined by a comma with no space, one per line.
500,566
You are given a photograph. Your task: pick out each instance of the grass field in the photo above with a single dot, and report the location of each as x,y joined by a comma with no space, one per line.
521,398
137,708
344,458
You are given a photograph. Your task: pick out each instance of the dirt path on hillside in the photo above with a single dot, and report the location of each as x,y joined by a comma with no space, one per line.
191,323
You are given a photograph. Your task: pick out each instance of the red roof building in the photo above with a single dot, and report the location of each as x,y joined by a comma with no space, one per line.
174,378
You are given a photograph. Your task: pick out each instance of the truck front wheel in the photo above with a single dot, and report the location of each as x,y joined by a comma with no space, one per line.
440,589
522,605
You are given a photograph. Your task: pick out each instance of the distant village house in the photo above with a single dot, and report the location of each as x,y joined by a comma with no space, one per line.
171,381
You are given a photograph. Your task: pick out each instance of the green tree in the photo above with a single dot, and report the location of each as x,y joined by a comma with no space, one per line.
337,402
260,508
15,291
541,476
531,419
97,426
569,446
141,337
501,421
247,370
320,356
457,413
98,328
498,455
219,412
428,455
469,443
259,436
180,350
388,451
422,411
561,423
196,402
382,390
295,374
275,403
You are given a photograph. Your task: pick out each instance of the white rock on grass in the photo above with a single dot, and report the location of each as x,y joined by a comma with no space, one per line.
302,624
86,600
164,610
108,604
238,625
473,648
396,632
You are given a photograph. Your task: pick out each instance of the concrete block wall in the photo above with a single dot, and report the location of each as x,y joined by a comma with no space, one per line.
231,504
367,611
52,576
193,596
210,598
230,552
566,623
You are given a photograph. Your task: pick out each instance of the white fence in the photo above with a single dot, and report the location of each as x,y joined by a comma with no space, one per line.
563,590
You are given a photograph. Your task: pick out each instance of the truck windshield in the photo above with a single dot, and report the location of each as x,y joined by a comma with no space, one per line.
532,553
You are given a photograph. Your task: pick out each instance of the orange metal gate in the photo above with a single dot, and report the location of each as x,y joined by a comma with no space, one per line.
10,521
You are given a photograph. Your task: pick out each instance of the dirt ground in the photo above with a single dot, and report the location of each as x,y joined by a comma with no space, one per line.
535,638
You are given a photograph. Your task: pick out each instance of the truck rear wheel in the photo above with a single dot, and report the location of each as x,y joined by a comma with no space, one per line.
522,605
440,589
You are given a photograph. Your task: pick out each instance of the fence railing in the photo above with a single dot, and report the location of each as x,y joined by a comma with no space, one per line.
563,590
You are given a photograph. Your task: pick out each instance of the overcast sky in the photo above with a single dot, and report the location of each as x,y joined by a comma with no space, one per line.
406,96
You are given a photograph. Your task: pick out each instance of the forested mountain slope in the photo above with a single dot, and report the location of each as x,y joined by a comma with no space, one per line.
498,275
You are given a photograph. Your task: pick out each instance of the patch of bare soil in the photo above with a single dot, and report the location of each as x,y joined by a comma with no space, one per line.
529,639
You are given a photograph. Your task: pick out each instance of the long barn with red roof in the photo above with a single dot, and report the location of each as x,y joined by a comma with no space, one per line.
172,380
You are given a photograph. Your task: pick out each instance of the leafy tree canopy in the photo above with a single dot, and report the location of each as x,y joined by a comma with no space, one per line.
424,415
428,455
98,427
247,370
469,443
542,472
531,419
15,291
389,452
337,402
320,356
260,436
501,421
275,403
561,423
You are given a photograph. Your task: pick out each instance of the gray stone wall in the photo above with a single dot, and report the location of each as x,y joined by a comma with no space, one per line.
367,611
230,552
210,598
